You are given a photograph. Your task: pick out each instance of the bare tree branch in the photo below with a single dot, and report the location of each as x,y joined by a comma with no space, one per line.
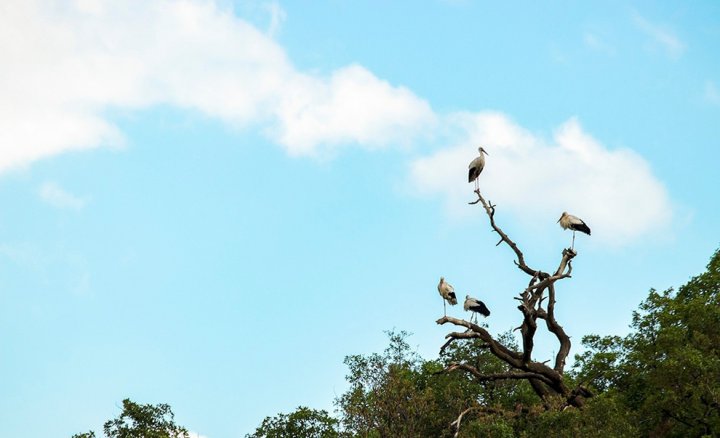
557,330
468,334
477,408
456,423
490,210
496,348
511,375
546,381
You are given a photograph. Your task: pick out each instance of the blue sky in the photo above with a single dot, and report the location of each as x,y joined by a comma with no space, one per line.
212,203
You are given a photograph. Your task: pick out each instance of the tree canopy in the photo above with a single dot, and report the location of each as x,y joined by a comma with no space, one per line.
141,421
302,423
660,380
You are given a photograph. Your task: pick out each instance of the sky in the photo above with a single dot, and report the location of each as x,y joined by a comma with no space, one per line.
210,203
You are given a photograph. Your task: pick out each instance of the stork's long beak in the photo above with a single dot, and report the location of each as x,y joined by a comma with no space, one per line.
485,152
559,219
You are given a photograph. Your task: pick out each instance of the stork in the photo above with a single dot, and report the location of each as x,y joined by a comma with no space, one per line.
575,224
447,292
476,166
476,306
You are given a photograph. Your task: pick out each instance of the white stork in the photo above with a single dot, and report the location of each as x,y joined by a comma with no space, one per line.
476,166
575,224
476,306
447,292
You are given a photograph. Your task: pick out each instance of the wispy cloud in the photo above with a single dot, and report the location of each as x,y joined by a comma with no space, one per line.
660,35
711,94
596,43
277,17
65,65
58,197
538,179
42,262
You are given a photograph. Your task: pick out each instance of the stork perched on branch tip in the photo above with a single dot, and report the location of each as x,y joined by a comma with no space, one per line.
575,224
476,166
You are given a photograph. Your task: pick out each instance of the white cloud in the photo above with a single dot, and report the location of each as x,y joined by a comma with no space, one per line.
614,190
711,94
66,63
352,106
58,197
196,435
662,36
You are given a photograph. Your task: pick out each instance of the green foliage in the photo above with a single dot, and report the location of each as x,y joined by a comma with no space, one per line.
505,394
667,371
672,370
303,423
597,366
603,416
141,421
495,427
399,394
144,421
390,394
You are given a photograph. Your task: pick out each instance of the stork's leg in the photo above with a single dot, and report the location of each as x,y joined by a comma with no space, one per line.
573,242
444,307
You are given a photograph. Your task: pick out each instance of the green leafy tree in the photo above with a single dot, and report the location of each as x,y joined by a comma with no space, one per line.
598,365
303,423
142,421
398,394
388,395
672,368
601,417
667,370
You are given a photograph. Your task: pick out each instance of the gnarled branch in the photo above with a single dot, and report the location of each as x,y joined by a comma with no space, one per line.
510,375
546,381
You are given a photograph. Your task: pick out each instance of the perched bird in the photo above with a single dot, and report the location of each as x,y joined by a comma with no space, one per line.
476,166
574,223
477,306
447,292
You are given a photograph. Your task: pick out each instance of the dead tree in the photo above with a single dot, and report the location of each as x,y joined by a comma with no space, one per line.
546,380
